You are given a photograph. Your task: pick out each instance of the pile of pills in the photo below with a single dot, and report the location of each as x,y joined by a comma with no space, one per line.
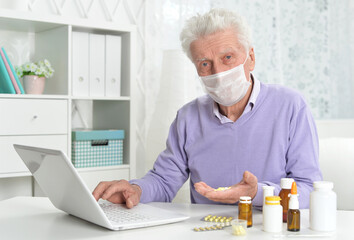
238,230
221,189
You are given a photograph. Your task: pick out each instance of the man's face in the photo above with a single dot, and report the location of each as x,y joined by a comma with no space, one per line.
220,52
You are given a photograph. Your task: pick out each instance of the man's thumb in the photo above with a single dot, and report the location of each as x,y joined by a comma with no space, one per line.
249,178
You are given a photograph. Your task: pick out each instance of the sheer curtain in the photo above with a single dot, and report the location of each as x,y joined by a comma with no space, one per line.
302,44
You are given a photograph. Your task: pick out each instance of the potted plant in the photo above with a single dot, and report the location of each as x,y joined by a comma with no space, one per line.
34,75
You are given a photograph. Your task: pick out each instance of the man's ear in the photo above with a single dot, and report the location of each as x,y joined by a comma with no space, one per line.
252,59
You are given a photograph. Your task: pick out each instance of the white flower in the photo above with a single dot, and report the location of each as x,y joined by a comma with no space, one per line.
43,69
38,71
47,63
33,67
40,68
19,71
40,63
27,67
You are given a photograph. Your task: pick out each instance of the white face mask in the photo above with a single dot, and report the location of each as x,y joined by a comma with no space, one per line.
227,88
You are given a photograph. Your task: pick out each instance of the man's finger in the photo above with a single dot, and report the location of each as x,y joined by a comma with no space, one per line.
116,187
100,189
249,178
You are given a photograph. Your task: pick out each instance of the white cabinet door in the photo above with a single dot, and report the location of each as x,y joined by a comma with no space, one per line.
97,65
33,116
113,65
80,64
10,161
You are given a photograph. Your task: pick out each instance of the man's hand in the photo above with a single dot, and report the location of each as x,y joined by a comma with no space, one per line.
118,192
247,187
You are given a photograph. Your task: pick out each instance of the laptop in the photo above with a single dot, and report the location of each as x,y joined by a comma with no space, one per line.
60,181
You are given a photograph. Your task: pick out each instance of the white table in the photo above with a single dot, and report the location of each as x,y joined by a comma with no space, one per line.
36,218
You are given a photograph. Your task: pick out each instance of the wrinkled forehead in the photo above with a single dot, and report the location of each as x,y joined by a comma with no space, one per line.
218,43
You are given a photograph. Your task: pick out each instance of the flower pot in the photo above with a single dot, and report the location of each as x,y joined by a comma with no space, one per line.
33,84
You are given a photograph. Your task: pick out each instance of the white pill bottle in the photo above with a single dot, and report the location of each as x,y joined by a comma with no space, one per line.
272,215
323,207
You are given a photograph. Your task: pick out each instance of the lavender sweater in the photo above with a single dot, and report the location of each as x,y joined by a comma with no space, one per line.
276,139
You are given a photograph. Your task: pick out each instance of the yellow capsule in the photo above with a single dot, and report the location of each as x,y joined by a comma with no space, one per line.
208,228
222,220
206,218
214,228
219,227
202,229
196,229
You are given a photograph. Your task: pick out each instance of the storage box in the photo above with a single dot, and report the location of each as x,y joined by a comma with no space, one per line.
97,148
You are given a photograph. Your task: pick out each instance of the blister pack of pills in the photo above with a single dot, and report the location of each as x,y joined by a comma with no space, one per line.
219,222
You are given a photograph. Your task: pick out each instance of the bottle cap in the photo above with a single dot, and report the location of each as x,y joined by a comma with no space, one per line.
266,187
323,185
294,201
293,188
285,183
245,199
272,200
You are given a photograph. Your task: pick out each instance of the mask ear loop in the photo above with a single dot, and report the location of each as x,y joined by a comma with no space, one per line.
247,55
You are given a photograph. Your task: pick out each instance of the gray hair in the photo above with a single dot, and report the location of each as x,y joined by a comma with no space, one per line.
214,21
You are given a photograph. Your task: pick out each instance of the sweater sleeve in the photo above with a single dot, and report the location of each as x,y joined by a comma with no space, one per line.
302,155
301,158
170,170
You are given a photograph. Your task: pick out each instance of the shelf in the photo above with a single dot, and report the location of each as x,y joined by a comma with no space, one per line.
102,98
33,96
16,174
35,35
49,96
95,169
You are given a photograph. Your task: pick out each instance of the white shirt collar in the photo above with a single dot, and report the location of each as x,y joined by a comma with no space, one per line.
251,102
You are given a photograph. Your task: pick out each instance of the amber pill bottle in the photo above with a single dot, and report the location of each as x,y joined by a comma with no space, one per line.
294,212
245,210
285,184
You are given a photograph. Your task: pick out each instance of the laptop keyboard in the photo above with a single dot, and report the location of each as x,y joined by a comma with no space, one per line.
119,214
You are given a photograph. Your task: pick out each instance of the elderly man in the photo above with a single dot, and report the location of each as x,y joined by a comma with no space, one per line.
243,133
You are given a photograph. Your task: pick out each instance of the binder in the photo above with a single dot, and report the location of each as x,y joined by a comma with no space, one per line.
97,65
80,51
6,85
13,72
113,65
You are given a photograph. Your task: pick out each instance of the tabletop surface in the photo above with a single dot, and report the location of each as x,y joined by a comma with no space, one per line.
37,218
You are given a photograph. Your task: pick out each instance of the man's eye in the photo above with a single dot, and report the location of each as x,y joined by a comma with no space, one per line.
204,64
228,57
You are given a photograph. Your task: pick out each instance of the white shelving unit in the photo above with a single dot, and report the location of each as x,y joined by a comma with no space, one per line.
46,120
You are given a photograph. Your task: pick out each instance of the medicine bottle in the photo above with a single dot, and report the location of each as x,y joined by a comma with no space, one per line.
267,191
285,184
245,210
323,207
272,215
294,211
